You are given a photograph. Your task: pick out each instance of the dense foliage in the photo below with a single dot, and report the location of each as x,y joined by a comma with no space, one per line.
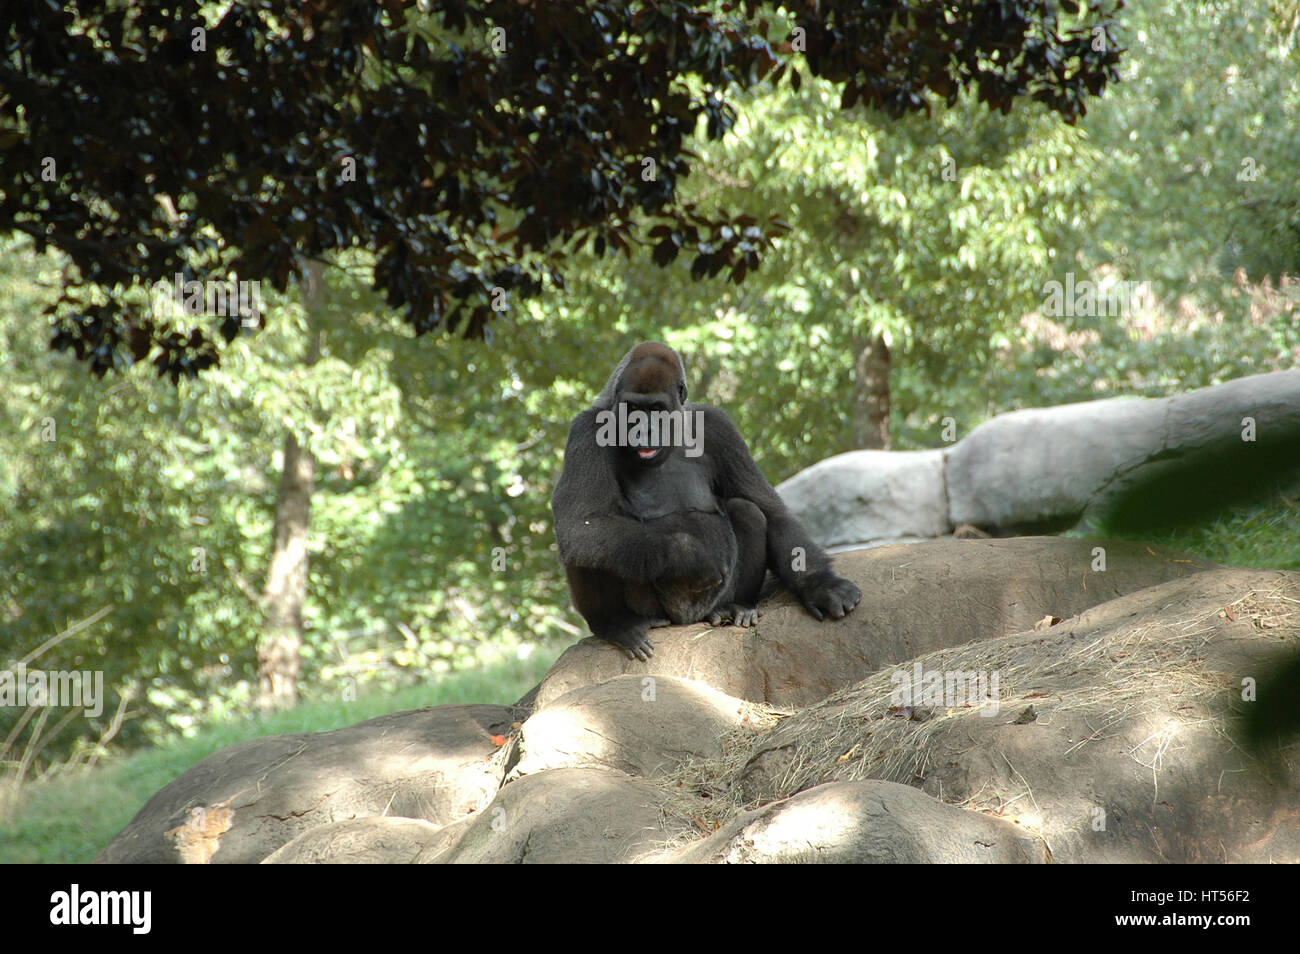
464,143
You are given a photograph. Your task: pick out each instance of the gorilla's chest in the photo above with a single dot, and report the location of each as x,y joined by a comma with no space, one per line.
681,485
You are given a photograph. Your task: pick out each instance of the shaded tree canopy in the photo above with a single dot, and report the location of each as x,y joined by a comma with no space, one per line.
148,139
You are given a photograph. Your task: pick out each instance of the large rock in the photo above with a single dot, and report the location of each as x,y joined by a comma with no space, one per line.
641,725
567,815
375,840
244,802
1040,469
1233,442
1051,468
1133,462
871,495
866,822
1113,735
916,598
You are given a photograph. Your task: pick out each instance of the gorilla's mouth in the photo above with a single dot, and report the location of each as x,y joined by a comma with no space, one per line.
645,453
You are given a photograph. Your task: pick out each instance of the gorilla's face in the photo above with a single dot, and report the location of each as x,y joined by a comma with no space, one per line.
652,390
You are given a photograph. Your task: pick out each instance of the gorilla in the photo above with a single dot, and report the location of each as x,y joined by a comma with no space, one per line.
662,517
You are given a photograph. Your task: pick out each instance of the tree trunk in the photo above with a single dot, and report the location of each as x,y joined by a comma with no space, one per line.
286,581
279,649
871,395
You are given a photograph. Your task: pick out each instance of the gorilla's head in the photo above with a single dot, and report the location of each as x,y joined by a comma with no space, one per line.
651,380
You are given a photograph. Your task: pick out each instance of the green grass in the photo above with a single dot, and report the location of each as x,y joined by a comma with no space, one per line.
1265,536
71,817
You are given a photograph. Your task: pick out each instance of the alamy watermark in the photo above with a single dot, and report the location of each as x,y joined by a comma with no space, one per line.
62,688
946,688
1089,299
633,427
221,299
83,906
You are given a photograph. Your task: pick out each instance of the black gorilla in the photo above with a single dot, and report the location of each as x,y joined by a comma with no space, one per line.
652,532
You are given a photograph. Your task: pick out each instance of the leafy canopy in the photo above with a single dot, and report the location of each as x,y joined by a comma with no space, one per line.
467,144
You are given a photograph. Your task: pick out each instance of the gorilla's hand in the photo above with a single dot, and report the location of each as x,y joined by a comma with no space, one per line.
736,614
634,641
831,596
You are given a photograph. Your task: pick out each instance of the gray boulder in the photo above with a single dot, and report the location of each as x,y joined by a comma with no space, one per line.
871,495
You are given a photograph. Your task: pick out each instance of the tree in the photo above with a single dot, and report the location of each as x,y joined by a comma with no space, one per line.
468,147
1204,111
278,652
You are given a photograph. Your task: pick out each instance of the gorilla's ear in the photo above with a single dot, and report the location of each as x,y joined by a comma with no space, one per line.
681,379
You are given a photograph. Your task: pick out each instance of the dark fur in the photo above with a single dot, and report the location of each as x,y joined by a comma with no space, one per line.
676,539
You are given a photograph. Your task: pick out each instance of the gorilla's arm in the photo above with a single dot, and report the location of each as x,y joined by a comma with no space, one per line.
820,590
595,532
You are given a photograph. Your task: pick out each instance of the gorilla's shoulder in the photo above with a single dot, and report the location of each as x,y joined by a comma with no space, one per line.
715,418
711,413
720,434
586,420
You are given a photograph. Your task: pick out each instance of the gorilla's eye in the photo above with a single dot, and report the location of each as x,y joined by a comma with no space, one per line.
648,407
